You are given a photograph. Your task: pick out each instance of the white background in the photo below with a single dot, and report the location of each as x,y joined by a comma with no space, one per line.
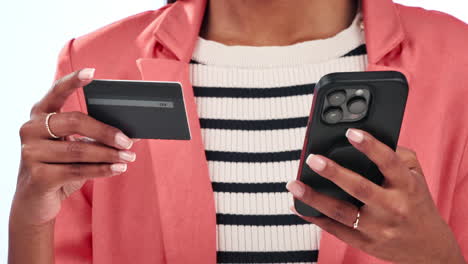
33,32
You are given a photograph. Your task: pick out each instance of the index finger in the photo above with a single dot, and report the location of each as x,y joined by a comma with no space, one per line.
408,157
353,183
61,90
387,160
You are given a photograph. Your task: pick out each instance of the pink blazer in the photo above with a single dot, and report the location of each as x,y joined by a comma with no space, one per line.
162,210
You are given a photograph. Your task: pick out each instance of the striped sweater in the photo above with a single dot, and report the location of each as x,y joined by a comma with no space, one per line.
253,104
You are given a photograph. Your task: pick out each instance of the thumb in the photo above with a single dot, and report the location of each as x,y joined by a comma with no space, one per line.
61,90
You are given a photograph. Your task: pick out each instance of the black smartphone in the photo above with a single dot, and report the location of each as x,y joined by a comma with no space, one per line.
373,101
141,109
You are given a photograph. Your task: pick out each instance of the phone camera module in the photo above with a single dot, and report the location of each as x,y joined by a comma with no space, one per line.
337,98
357,105
333,115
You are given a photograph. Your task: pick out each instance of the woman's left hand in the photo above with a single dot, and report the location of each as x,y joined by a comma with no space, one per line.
399,221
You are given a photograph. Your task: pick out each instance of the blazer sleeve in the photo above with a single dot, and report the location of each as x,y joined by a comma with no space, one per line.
459,213
73,237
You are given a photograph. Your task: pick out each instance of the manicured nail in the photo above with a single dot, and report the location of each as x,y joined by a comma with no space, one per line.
123,141
316,163
354,135
87,139
296,188
127,156
86,74
118,167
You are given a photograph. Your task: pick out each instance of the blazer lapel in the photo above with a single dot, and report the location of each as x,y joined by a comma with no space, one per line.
185,195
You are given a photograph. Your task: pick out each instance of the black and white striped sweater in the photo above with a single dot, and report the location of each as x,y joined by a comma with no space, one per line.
253,104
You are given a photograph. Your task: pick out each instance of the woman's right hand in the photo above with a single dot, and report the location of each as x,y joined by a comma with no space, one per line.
52,169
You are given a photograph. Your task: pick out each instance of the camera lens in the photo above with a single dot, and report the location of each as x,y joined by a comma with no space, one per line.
357,105
337,98
333,115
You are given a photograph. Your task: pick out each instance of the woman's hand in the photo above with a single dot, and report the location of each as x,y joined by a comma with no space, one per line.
399,221
52,169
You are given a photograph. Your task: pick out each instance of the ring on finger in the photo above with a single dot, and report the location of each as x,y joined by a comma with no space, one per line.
49,115
356,222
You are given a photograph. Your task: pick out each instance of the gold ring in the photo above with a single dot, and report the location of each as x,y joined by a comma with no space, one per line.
47,125
356,223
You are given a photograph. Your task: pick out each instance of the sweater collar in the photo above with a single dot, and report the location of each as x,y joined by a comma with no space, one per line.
176,29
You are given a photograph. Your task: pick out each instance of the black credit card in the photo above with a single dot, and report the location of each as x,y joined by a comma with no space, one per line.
141,109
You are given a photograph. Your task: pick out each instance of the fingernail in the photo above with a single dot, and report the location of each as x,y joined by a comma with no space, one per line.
127,156
86,74
354,135
316,163
119,167
123,141
296,188
87,139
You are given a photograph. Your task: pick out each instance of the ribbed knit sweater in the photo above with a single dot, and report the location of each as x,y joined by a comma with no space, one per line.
253,104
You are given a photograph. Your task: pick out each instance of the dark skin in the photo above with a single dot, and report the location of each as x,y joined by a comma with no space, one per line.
399,221
275,22
49,172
